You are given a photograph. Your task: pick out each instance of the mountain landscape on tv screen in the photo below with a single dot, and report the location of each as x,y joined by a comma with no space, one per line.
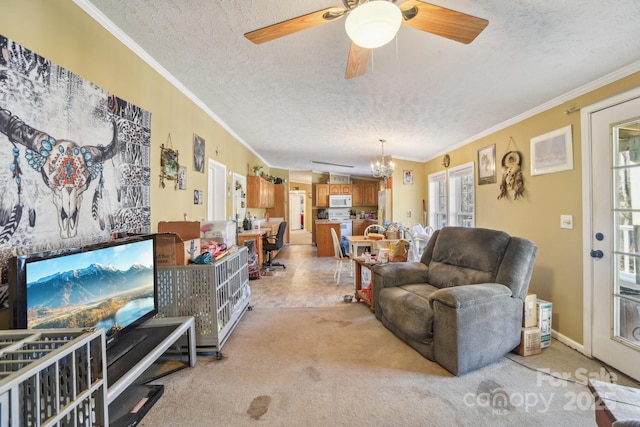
87,285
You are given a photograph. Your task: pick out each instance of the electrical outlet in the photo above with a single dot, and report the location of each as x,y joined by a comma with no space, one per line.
408,214
566,221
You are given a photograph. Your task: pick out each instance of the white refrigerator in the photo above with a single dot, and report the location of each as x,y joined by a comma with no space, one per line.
384,206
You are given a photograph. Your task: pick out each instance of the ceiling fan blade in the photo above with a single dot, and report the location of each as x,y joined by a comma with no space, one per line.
441,21
358,61
294,25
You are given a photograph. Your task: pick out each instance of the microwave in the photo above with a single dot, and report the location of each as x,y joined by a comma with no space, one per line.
340,201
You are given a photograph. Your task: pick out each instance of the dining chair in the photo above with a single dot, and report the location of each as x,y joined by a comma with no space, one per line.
340,258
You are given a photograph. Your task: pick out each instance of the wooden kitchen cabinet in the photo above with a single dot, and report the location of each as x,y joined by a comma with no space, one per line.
339,189
324,241
281,207
370,194
260,193
358,227
322,195
356,194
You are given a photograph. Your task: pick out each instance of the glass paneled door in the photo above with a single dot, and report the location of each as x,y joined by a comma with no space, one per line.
614,235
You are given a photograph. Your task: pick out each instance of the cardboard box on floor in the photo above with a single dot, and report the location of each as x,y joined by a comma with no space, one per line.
543,315
529,315
178,242
529,342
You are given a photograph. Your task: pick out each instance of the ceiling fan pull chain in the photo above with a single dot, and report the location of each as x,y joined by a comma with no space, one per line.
372,55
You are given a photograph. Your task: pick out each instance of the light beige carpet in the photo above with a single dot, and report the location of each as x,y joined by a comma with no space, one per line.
338,366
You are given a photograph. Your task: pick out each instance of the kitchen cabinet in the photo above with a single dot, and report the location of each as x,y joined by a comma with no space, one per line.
370,194
322,195
260,192
339,189
359,225
324,241
356,194
280,208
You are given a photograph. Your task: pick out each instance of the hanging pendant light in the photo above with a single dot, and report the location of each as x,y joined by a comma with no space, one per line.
373,24
382,169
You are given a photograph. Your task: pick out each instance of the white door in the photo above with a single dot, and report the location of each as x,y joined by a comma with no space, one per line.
612,261
296,211
217,191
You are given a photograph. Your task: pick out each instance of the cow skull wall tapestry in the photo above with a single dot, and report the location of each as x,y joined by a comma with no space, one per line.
76,158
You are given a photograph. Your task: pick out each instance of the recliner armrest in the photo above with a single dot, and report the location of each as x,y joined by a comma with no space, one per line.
399,273
469,295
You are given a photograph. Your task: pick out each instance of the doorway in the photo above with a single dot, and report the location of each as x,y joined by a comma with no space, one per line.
217,191
611,177
296,210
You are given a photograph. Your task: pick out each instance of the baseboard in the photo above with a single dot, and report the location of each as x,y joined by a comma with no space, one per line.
568,341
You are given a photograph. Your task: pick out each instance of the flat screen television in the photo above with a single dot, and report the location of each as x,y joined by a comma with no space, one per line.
109,285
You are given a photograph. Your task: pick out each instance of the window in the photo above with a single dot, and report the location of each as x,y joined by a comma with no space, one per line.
437,200
452,197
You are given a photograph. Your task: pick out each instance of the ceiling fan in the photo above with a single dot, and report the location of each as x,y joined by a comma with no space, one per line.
378,16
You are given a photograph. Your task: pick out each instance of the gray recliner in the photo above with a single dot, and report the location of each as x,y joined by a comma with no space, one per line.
461,305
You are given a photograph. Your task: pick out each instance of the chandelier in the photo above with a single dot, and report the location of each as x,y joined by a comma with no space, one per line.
382,169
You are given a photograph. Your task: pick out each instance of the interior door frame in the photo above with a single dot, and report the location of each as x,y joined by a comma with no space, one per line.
216,191
587,216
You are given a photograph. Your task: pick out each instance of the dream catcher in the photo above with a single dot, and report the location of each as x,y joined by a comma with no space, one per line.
169,165
511,175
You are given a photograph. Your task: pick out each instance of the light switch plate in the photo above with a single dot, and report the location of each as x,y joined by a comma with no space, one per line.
566,221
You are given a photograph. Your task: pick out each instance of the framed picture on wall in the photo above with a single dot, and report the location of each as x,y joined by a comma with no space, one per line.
407,177
198,153
487,165
197,197
552,152
182,178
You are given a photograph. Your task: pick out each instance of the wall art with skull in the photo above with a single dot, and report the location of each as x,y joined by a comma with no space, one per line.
74,159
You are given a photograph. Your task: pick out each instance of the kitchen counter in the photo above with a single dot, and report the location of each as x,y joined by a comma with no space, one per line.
324,241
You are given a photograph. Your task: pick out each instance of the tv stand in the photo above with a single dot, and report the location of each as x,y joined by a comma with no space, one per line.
127,373
123,345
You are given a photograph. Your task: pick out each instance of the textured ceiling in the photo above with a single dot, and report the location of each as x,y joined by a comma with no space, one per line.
288,99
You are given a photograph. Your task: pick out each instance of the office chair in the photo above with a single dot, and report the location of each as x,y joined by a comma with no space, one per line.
273,243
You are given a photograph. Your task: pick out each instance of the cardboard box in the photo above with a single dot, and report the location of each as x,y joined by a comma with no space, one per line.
529,318
185,246
543,316
529,342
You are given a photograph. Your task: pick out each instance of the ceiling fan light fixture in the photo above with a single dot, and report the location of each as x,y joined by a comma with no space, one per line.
373,24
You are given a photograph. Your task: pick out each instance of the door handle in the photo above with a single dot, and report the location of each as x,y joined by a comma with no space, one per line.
596,254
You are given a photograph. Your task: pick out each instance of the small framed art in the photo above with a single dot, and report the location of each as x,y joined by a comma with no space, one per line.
407,177
198,153
487,165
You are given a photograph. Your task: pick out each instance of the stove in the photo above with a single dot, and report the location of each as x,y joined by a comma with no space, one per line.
343,216
339,214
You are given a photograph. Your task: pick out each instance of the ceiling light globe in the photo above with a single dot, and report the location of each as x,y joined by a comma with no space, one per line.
373,24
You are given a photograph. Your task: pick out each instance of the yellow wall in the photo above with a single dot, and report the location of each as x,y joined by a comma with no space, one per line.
63,33
406,200
557,274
